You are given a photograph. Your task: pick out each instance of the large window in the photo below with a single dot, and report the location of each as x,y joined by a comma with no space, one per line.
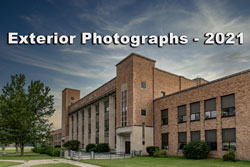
106,118
211,139
124,108
195,136
72,126
97,117
182,114
210,108
83,125
164,141
164,117
228,139
182,139
89,122
77,123
195,111
228,105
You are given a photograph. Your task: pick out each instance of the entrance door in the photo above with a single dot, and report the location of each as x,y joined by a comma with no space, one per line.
127,147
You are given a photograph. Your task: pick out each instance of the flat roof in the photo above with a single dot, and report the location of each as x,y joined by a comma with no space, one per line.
134,54
205,84
70,89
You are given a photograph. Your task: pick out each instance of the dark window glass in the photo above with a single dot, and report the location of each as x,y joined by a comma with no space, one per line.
124,108
210,108
228,105
164,140
182,114
182,139
143,112
195,111
143,84
72,98
97,109
164,117
195,136
211,139
229,139
163,93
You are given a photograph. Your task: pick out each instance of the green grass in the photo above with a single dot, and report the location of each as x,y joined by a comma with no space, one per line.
55,165
26,156
4,164
165,162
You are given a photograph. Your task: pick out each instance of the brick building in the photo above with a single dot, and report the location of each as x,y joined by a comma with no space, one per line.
144,106
56,137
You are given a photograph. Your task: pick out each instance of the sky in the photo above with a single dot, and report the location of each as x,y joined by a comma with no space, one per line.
86,67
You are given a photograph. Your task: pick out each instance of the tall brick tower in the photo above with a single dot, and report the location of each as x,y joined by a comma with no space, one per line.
69,96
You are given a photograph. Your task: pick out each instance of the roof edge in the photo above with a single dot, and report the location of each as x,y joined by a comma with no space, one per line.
135,54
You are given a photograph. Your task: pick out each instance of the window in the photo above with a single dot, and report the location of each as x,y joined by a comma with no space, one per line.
163,94
182,114
77,122
210,108
83,123
143,84
124,108
228,139
164,141
143,133
97,109
228,105
164,117
195,111
72,98
89,123
182,139
211,139
195,136
106,125
143,112
72,124
106,106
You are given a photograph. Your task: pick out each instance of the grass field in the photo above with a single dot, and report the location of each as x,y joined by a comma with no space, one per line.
166,162
28,155
4,164
55,165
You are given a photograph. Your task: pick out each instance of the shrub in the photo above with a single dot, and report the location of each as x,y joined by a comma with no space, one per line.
164,154
72,145
57,146
157,154
152,149
196,150
48,150
90,147
103,147
230,156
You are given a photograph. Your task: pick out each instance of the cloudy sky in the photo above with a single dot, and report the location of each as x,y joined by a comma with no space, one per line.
86,67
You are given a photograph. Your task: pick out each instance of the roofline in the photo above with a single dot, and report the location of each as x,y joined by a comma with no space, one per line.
135,54
205,84
70,89
175,74
93,91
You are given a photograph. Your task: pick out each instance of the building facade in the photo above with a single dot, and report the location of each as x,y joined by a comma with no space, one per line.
145,106
56,138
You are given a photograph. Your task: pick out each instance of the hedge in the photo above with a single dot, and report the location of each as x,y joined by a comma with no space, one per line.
196,150
48,150
152,149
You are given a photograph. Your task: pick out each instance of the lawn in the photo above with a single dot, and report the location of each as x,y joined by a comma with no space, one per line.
55,165
28,155
165,162
4,164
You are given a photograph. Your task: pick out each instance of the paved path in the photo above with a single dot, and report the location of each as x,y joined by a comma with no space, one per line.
49,161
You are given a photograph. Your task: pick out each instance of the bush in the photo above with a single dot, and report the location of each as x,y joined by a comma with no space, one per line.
162,154
102,147
157,154
57,146
230,156
72,145
48,150
152,149
90,147
196,150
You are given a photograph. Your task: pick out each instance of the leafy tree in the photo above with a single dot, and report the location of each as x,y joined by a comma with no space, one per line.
24,113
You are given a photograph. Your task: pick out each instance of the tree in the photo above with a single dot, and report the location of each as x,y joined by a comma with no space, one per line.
24,113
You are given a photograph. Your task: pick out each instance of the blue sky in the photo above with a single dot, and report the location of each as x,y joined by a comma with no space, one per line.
86,67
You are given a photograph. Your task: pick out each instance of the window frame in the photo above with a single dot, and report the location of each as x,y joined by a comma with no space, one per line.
143,111
182,116
143,84
228,109
162,119
162,142
229,142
